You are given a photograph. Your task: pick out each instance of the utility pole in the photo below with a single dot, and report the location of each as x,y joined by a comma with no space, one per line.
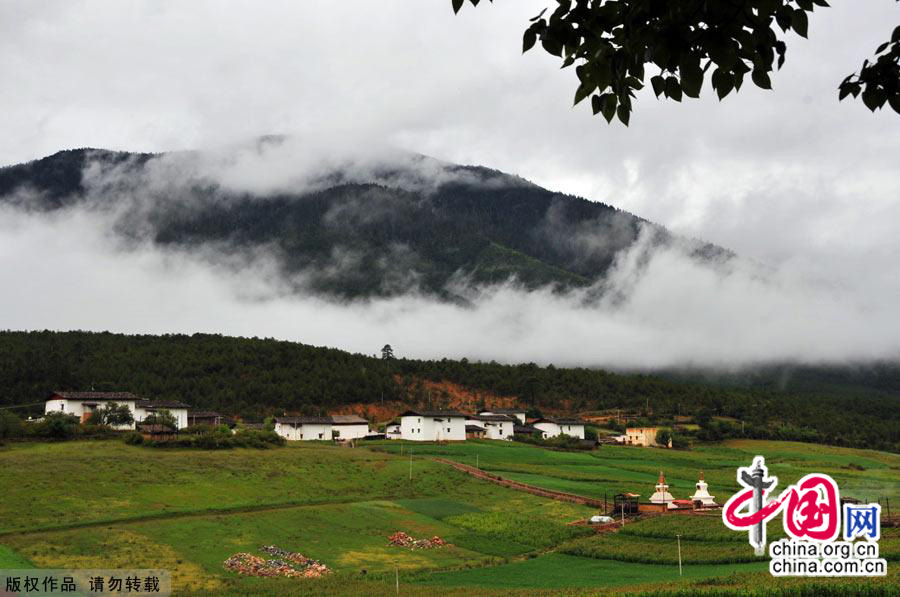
679,554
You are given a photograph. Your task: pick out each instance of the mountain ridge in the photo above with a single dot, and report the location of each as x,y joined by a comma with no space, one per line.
411,224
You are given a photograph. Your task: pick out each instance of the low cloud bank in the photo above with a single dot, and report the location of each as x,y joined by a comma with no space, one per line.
658,308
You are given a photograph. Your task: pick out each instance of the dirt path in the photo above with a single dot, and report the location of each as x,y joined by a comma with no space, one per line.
539,491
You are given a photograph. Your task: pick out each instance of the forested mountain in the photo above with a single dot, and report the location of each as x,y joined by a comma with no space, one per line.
258,377
411,224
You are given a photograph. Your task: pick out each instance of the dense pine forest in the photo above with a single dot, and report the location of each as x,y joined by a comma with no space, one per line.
253,378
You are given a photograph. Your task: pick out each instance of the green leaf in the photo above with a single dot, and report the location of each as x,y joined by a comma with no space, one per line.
608,107
691,79
583,91
673,89
722,82
659,84
894,101
799,22
761,78
624,114
457,4
873,98
528,40
596,104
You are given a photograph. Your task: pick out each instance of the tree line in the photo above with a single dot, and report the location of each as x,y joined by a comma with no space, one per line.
253,378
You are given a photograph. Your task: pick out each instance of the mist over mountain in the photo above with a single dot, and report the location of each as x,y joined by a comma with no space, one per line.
307,240
377,224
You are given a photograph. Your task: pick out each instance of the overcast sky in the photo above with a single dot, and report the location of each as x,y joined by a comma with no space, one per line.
788,177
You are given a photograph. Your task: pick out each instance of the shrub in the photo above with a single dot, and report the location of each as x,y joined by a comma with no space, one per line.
161,417
134,438
10,425
113,413
560,442
54,425
220,438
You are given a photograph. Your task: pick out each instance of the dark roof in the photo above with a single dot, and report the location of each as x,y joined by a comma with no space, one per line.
525,429
474,429
156,404
348,420
204,414
495,418
94,395
304,420
503,411
560,421
433,413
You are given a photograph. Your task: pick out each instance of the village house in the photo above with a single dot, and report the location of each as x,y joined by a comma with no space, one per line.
518,413
84,404
641,436
392,430
432,426
474,432
304,428
525,430
556,426
349,427
205,417
494,426
179,410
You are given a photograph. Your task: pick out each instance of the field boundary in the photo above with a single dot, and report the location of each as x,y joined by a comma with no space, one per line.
249,509
561,496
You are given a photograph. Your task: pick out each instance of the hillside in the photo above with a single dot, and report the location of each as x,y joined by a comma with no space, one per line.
411,224
254,377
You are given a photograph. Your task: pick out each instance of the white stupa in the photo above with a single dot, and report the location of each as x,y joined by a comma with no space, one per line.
662,495
702,494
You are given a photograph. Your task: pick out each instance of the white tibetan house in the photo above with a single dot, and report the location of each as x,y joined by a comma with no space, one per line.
304,428
84,404
432,426
179,410
556,426
392,430
662,495
701,497
495,426
349,427
518,413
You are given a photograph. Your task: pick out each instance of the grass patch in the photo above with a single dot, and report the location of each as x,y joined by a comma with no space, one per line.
553,571
536,533
11,559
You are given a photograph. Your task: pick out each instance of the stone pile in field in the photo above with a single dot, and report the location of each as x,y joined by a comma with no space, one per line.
401,539
287,563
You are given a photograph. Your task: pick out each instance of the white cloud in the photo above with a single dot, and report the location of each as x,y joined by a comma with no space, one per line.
66,272
790,177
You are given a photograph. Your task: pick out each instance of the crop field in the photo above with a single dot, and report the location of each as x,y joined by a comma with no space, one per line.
103,504
864,474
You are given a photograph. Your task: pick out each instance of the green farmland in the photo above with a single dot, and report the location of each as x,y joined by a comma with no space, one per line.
864,474
104,504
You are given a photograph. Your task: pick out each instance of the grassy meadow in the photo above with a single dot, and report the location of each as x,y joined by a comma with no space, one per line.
104,504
